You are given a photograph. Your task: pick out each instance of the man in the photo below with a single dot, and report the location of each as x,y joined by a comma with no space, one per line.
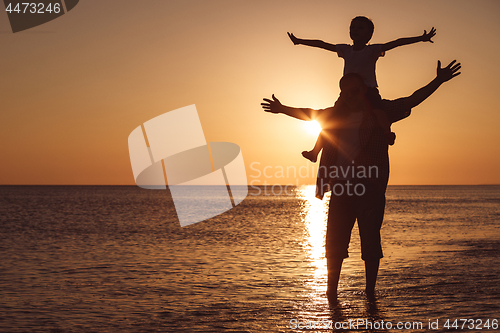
356,146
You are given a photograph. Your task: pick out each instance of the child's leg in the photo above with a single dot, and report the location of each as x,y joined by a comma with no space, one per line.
312,155
386,126
319,144
382,119
375,100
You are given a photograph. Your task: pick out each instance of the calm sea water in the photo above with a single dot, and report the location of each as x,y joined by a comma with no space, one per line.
114,259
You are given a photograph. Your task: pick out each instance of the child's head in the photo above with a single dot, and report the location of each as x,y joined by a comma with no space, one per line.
361,29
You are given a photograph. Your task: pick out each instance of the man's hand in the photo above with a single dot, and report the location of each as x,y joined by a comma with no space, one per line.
273,106
294,39
449,72
426,37
442,75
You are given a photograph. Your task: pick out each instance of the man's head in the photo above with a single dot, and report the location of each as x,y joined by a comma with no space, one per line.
361,29
352,89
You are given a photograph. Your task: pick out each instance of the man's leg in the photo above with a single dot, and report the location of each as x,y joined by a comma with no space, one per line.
371,269
341,218
334,266
370,217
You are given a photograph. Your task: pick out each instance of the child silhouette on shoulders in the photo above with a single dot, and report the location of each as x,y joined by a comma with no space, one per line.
360,58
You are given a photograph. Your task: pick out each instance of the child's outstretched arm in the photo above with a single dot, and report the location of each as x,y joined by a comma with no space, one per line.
426,37
312,42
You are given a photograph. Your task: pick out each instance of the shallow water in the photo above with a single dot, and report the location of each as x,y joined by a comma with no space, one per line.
113,258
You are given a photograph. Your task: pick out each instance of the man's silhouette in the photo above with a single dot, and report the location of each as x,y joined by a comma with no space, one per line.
355,141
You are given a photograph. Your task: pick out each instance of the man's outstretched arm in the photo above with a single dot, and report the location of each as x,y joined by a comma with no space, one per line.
443,75
275,106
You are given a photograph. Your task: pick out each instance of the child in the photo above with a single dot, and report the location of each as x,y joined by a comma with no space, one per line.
361,58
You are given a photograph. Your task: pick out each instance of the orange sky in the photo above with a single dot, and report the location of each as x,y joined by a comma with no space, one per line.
73,89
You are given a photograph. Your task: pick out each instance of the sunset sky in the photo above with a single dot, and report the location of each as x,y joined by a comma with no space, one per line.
74,88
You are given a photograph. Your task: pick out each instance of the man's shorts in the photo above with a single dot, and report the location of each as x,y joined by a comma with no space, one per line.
344,209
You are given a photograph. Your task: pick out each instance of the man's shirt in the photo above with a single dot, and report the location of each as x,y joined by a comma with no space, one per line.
373,148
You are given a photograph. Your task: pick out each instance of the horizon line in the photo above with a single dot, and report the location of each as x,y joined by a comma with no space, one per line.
482,184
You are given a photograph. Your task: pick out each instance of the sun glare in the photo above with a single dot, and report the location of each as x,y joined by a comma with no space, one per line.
312,127
314,216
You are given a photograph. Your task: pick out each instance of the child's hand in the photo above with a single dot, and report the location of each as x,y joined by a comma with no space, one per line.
294,39
426,37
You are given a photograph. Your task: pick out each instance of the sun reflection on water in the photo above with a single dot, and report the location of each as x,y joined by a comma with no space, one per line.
314,215
318,307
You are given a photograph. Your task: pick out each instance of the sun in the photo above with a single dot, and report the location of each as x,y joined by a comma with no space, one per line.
312,127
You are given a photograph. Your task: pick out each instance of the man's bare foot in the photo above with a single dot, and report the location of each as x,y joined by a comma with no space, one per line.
331,294
310,155
370,294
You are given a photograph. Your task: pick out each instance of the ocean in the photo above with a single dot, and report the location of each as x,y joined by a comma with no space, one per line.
115,259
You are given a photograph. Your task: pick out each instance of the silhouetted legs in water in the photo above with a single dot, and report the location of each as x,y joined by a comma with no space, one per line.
334,267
